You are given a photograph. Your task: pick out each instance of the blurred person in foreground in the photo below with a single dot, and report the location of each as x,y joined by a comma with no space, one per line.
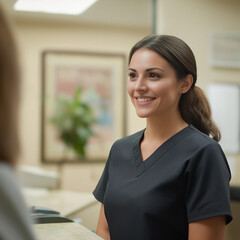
15,221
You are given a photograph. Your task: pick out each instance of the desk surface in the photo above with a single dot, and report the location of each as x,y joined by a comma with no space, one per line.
64,201
63,231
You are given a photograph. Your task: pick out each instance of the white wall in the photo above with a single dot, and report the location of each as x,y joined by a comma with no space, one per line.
33,38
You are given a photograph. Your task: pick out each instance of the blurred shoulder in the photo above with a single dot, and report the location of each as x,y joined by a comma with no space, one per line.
6,170
8,178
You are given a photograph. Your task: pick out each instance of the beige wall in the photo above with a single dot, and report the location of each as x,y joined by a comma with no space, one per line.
33,38
194,21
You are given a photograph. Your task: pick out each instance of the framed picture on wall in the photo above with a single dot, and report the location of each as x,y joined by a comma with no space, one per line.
83,103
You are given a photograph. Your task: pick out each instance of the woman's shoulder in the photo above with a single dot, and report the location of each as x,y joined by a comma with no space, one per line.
200,138
197,143
8,175
130,139
5,170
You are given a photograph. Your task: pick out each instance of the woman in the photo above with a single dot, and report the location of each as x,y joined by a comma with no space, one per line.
14,216
170,180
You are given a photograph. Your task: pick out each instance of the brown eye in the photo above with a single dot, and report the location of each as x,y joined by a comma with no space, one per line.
132,75
154,75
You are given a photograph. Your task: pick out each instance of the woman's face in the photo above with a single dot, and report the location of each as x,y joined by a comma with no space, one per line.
153,87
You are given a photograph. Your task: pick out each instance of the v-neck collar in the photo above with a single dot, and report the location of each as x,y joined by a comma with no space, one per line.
141,165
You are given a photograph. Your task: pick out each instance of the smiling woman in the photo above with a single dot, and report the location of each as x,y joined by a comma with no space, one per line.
170,180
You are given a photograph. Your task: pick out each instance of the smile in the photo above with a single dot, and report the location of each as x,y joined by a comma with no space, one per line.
145,99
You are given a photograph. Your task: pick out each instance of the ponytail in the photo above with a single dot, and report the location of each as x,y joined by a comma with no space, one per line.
195,110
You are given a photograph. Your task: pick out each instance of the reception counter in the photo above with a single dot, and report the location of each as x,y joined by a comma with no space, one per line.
75,205
63,231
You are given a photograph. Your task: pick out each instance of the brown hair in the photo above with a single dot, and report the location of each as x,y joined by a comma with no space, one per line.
193,105
9,92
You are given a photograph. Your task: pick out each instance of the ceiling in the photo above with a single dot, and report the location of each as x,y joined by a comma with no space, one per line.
131,13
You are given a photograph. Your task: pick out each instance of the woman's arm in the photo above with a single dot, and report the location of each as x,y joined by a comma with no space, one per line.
102,227
208,229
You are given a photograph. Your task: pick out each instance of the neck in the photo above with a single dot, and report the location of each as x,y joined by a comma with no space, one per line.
164,127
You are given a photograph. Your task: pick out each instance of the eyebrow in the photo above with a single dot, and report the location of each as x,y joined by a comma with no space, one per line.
147,70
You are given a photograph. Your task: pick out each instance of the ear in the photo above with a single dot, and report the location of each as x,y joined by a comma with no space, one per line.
186,83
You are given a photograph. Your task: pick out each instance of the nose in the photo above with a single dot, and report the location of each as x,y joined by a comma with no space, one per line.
140,84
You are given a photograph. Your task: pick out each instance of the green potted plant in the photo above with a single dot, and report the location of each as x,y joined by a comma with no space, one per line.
74,119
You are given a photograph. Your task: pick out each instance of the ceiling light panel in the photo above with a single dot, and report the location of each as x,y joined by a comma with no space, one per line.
72,7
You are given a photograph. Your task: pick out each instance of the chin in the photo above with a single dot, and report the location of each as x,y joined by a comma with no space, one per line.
142,115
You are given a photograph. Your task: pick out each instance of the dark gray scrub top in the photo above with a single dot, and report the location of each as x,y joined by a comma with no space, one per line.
185,180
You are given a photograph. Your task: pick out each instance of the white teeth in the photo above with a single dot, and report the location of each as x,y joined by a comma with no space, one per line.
144,99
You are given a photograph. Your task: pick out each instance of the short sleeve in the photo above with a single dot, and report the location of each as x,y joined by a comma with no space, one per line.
100,189
208,191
